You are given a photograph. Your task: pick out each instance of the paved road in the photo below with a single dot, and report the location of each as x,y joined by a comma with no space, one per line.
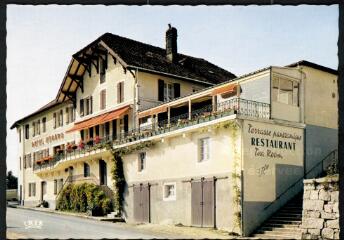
61,226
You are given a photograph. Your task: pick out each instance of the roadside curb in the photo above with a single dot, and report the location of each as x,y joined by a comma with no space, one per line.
60,213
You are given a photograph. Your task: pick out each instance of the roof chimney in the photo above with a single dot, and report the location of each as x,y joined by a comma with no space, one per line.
171,43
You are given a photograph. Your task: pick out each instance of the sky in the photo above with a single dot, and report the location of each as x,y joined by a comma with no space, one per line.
241,39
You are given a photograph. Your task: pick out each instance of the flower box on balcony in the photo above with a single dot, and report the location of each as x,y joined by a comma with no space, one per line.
74,146
97,140
81,145
90,142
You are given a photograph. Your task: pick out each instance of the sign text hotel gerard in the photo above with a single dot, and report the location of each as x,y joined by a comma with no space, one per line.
48,139
272,141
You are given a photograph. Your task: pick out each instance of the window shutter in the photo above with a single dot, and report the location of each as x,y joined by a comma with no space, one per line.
54,119
67,113
91,105
160,90
55,186
122,91
176,90
81,107
118,92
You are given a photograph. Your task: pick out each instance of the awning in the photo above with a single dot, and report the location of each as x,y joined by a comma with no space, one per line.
231,88
152,111
103,118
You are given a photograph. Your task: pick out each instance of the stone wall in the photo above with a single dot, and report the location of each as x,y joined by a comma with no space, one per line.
320,215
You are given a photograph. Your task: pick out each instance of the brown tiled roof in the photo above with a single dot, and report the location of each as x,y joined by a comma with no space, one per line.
145,56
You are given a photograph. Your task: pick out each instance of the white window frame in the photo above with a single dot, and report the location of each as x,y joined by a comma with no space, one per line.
168,91
164,191
201,153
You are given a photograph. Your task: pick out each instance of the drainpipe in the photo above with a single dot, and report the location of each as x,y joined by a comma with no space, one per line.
136,101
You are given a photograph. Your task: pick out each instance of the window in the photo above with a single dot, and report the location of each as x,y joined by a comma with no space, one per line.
20,163
32,189
27,131
120,92
169,191
285,91
168,91
102,69
70,114
86,106
86,170
19,133
55,186
61,118
204,149
44,124
102,99
141,161
27,161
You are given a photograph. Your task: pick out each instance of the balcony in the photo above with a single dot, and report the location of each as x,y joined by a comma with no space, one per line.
202,114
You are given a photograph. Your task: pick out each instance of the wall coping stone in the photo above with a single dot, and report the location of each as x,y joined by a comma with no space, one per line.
334,178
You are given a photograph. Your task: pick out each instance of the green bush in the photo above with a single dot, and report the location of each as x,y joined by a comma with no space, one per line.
84,197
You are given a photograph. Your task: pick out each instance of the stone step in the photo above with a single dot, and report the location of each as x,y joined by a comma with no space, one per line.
289,214
279,225
287,218
277,232
282,221
274,236
281,229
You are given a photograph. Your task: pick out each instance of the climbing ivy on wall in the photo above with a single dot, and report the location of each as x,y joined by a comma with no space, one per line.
118,172
236,176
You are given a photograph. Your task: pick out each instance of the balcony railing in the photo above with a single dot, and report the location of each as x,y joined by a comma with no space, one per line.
206,113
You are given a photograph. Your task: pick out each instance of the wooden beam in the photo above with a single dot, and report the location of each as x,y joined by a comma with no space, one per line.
85,62
75,77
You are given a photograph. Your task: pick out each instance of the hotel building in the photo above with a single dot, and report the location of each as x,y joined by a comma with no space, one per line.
224,151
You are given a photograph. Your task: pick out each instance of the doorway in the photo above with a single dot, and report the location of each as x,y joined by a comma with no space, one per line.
142,203
43,189
203,203
102,172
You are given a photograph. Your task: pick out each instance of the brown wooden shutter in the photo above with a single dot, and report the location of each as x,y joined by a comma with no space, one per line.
118,92
67,113
176,90
122,91
55,120
160,90
91,105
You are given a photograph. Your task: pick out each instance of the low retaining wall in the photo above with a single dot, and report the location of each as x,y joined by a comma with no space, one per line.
320,215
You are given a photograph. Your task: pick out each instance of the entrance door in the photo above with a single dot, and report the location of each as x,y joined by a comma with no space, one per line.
43,189
203,203
141,203
102,172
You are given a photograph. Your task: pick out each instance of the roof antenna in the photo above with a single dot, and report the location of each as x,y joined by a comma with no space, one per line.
169,26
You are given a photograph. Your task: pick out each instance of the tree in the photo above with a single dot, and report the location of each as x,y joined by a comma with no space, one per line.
11,181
